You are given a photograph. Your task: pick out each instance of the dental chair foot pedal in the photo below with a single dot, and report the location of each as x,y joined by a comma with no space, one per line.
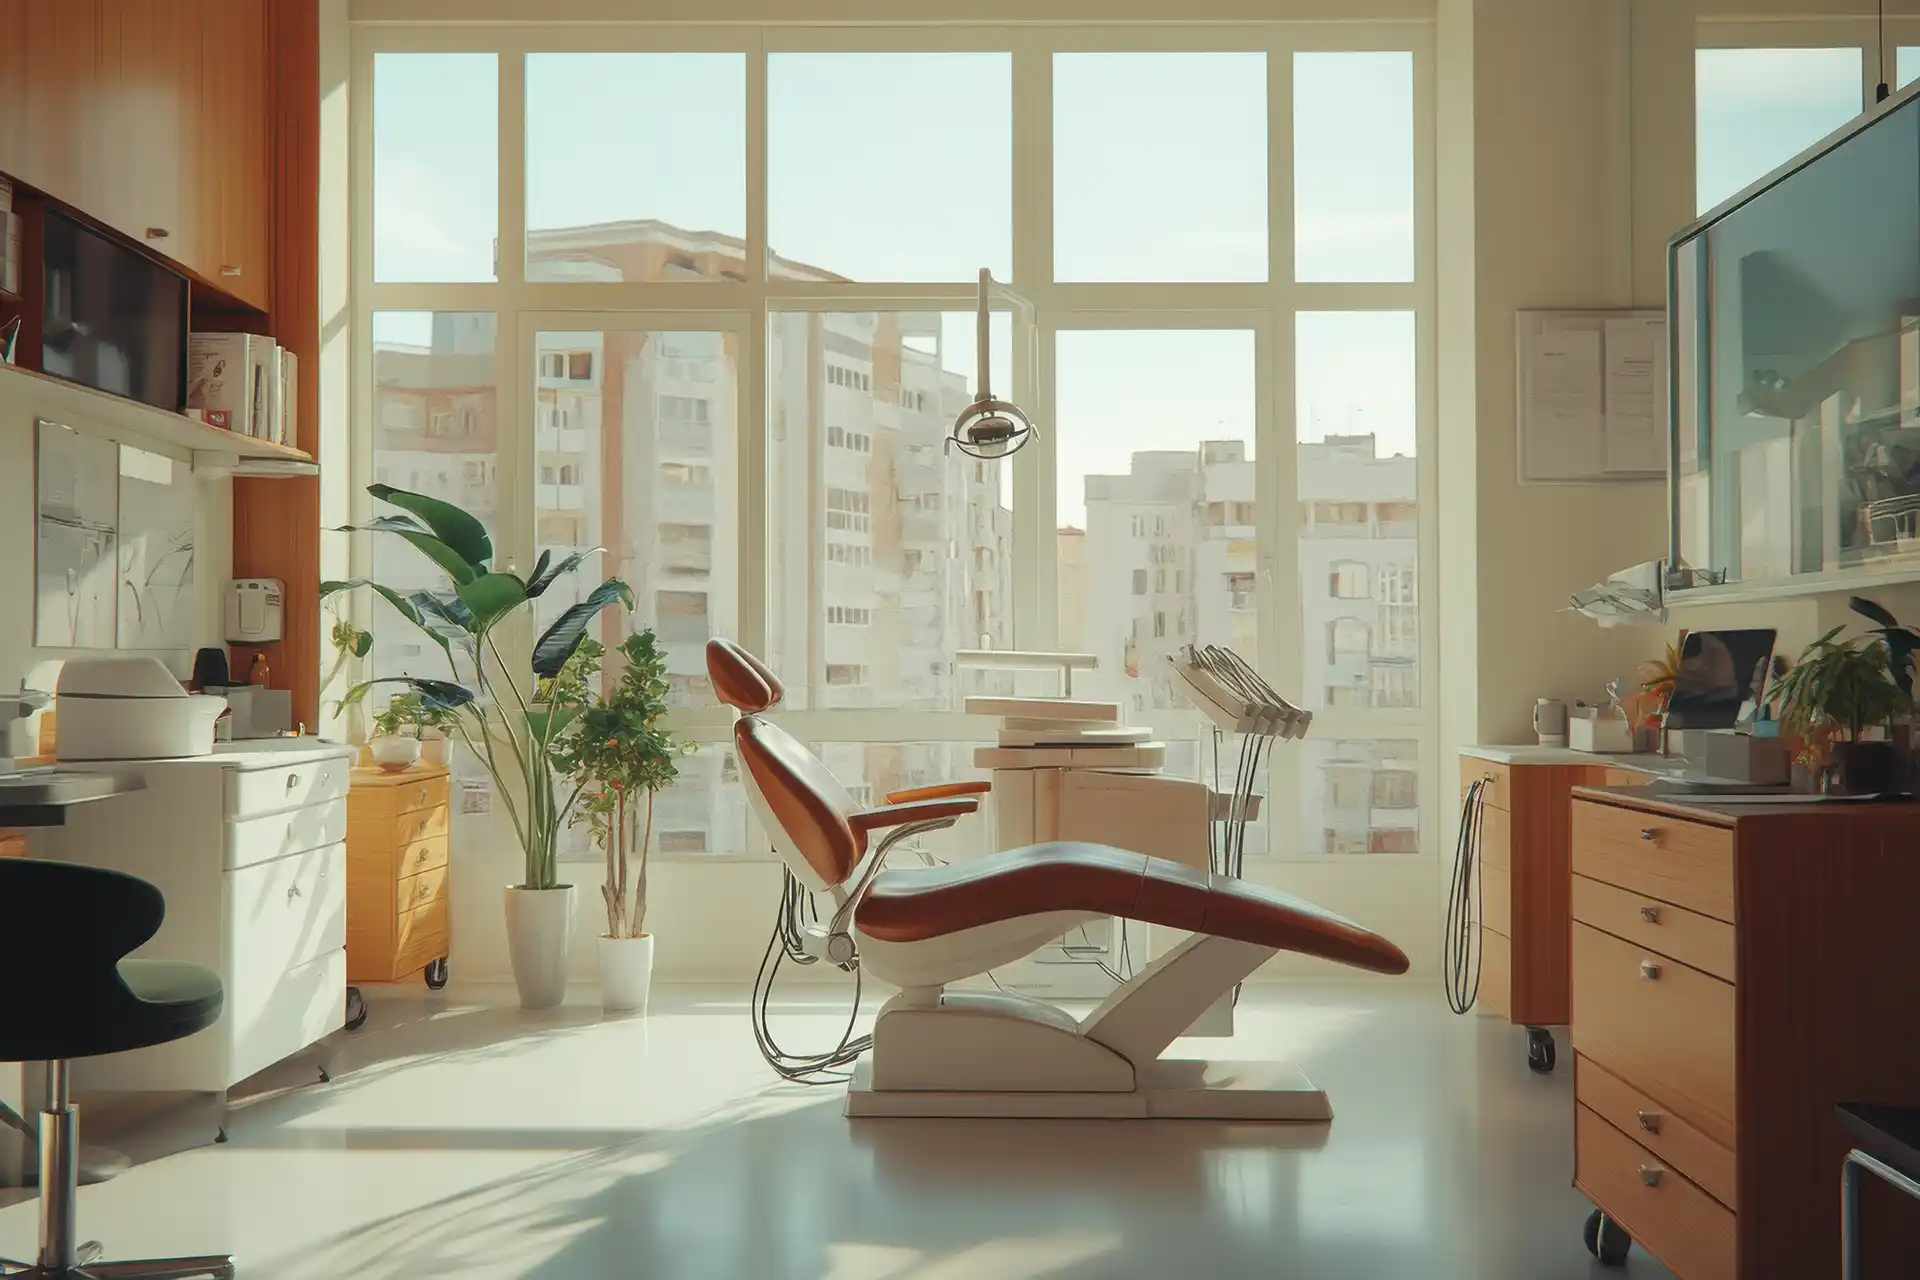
1168,1089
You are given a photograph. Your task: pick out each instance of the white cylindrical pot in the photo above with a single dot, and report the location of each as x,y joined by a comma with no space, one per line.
433,751
626,973
539,935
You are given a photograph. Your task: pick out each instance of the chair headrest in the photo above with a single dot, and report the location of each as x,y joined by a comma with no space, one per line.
741,680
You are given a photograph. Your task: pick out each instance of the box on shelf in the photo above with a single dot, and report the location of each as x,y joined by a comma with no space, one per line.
286,429
1599,729
227,373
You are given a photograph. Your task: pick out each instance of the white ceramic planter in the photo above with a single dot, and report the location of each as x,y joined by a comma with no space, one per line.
433,751
539,935
626,973
394,753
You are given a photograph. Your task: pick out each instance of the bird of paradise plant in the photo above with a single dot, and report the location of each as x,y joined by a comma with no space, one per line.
506,724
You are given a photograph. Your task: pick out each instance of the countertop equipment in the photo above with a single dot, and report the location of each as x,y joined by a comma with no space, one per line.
130,709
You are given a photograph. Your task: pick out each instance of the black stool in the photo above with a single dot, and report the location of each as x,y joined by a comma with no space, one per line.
66,993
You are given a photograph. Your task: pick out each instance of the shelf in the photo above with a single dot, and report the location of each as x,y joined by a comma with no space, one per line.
1888,573
212,449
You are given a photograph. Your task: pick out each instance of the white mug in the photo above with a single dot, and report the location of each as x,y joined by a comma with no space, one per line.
1550,721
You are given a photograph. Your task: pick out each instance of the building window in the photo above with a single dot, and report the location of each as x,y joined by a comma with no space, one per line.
840,673
682,841
1348,580
680,617
579,366
1159,581
1397,519
1396,686
1348,638
1351,697
686,475
1139,582
1240,591
688,409
849,553
1159,625
1340,519
553,364
1393,840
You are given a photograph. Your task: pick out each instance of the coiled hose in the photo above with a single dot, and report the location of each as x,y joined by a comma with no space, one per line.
1466,901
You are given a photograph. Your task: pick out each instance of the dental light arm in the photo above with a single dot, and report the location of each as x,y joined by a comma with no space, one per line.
989,428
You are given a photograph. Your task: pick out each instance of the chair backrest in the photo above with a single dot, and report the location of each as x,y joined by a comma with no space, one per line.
801,804
63,930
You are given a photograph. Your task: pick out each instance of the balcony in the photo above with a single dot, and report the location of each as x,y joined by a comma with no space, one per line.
571,440
684,503
560,497
923,528
679,439
686,558
1407,529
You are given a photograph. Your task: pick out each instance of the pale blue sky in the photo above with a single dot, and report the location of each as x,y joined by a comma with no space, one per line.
1758,108
897,168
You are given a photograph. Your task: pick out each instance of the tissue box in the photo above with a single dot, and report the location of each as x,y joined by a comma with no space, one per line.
1741,757
1592,729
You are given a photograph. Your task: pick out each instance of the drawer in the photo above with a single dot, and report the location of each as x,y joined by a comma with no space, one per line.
1689,864
1496,838
1675,932
410,828
1669,1216
420,855
276,835
417,891
274,1016
1499,789
286,912
251,792
1496,896
428,793
423,938
1662,1027
1678,1144
1496,973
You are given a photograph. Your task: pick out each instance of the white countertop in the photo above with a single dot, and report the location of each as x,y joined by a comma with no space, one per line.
1646,762
254,753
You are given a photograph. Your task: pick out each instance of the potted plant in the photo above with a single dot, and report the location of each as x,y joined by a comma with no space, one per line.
1836,692
620,757
499,718
393,746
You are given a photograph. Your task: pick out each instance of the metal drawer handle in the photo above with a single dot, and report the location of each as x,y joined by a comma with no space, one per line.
229,271
293,780
421,795
1650,914
1650,971
1649,1120
1649,833
1651,1174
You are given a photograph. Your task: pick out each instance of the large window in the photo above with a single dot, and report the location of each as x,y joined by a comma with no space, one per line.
697,302
1757,108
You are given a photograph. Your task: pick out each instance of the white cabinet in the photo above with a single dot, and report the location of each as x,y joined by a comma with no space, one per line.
247,847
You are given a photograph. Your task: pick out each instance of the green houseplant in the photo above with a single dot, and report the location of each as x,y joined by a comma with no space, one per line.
620,757
1838,690
499,715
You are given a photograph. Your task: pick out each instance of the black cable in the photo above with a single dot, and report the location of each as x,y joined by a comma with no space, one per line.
787,942
1460,954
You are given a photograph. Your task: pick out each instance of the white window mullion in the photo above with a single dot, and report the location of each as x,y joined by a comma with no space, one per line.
1035,587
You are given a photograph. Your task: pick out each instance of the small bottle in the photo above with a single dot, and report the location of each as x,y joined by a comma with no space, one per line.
257,671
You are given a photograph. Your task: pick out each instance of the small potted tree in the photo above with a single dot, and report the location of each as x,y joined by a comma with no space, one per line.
1837,693
619,756
395,745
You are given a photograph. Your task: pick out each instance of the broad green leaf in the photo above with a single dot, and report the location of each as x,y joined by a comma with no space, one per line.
1868,609
441,694
458,529
363,644
544,577
563,637
561,717
539,567
391,596
492,596
452,562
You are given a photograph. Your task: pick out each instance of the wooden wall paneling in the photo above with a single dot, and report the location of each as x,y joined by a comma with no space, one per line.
1540,884
148,99
15,57
238,86
276,523
1829,965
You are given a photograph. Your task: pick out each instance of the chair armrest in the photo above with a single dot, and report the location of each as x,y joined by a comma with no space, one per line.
899,815
940,791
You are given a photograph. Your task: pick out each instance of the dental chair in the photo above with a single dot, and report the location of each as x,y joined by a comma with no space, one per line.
937,1052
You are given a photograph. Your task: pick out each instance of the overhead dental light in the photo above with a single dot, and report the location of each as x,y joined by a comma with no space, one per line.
989,428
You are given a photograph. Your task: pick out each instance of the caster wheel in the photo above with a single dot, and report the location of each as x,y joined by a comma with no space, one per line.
1540,1050
221,1137
436,974
356,1009
1606,1240
325,1076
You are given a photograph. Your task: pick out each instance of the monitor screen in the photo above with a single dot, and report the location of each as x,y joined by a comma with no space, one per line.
114,319
1720,671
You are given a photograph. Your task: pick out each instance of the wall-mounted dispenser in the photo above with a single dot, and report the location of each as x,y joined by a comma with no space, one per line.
253,610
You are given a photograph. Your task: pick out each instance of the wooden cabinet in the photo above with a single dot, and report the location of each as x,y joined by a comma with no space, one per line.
397,872
152,119
1737,971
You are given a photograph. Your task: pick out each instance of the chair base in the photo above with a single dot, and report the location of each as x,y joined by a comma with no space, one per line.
1167,1089
210,1268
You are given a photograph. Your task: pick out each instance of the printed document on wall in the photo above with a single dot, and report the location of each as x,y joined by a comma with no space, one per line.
1592,396
1636,351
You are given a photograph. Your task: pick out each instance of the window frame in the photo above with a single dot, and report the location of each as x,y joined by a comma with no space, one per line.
1040,309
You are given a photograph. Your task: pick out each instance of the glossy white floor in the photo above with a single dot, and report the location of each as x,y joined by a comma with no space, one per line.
461,1137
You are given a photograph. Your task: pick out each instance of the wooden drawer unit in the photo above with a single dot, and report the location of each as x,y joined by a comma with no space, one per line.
1664,1027
1498,777
1496,838
1670,1216
1674,932
398,864
1738,970
1496,973
1689,864
1496,900
252,792
1681,1145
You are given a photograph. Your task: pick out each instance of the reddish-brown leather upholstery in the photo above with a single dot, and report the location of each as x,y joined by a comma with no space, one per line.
912,904
940,791
741,680
806,799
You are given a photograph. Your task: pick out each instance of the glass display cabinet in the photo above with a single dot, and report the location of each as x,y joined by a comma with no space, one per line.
1794,314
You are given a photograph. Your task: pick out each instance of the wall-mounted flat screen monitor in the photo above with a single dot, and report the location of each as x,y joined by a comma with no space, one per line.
114,319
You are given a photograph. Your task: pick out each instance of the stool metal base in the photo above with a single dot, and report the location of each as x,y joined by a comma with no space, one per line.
149,1269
